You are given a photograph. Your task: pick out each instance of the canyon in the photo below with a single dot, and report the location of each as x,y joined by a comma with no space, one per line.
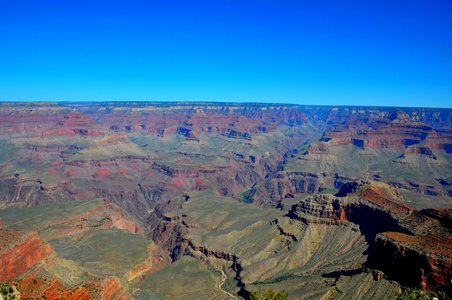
162,200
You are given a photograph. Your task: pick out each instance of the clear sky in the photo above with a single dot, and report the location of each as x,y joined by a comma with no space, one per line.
381,52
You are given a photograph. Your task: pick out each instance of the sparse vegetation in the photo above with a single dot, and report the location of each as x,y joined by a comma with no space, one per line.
263,294
245,195
4,290
101,222
177,279
415,294
278,279
8,291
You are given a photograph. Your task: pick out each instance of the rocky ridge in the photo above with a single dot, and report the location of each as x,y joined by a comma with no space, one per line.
410,246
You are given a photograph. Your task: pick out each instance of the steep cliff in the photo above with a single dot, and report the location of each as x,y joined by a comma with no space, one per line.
423,262
410,246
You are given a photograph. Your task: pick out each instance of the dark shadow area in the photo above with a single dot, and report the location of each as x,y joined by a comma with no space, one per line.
238,269
349,187
338,274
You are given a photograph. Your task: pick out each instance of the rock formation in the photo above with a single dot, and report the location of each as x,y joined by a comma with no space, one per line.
19,251
413,247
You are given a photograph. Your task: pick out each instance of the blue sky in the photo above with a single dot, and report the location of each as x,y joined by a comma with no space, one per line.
386,52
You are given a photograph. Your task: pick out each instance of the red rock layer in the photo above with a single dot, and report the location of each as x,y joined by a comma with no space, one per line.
394,130
236,122
19,251
49,287
75,123
381,198
112,289
29,118
421,261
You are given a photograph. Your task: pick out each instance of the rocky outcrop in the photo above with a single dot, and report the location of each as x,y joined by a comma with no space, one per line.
213,253
203,253
73,124
112,289
234,134
169,235
372,215
423,262
168,232
30,192
157,260
8,187
284,184
318,148
410,246
187,133
24,259
19,251
419,150
45,149
421,258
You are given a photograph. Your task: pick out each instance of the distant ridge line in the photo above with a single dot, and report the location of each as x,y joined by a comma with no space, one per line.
209,103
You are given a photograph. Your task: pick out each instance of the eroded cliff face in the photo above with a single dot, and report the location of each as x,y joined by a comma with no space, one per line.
233,121
421,258
31,192
410,246
373,212
168,232
422,262
393,130
396,129
286,184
